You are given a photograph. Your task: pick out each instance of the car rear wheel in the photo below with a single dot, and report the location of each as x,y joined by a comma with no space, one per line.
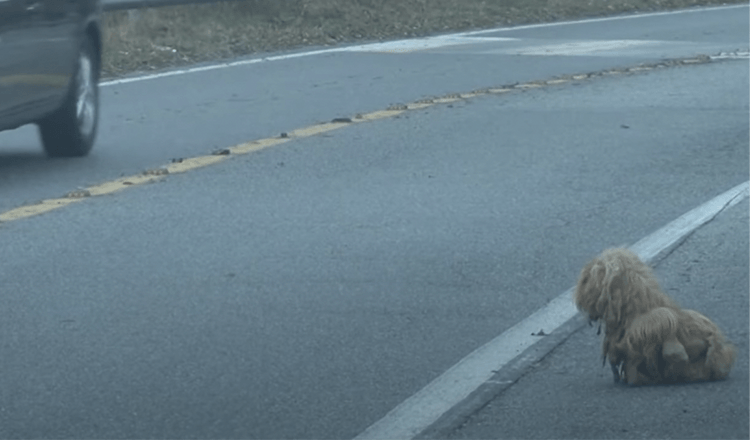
70,130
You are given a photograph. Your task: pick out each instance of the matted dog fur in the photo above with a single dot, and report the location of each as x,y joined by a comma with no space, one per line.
648,338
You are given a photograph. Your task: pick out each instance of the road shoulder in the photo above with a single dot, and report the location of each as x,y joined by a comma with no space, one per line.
568,393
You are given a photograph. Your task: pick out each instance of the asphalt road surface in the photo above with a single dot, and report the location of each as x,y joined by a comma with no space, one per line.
570,395
305,290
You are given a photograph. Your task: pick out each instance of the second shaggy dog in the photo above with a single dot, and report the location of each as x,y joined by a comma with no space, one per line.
648,338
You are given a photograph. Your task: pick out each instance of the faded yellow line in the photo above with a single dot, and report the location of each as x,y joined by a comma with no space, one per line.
531,85
39,208
381,114
497,90
193,163
447,100
317,129
119,184
419,105
250,147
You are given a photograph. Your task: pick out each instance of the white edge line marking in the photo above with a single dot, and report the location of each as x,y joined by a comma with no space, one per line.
359,47
419,411
649,247
418,44
219,66
738,55
582,47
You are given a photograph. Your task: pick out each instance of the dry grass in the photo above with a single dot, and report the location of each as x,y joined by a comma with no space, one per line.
156,38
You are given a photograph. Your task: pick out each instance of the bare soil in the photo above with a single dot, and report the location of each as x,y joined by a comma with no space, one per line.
157,38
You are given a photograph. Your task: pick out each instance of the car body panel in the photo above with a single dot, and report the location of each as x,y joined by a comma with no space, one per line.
39,44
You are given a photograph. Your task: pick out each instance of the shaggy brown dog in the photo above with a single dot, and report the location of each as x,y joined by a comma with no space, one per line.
648,338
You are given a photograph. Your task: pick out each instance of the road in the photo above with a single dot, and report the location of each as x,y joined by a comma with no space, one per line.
571,391
199,112
305,290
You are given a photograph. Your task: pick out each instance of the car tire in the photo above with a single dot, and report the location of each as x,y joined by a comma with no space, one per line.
70,131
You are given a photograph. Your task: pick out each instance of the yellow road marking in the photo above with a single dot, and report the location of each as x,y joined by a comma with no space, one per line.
194,163
532,85
317,129
119,184
250,147
496,90
189,164
380,114
419,105
39,208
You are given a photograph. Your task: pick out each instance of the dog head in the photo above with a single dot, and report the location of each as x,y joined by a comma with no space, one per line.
612,285
593,293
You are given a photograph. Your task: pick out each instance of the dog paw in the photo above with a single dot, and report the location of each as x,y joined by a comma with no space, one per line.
674,352
618,372
676,360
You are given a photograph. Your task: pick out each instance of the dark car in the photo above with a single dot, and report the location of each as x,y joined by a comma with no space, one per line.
50,61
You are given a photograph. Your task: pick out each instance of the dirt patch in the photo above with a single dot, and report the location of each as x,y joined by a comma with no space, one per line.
156,38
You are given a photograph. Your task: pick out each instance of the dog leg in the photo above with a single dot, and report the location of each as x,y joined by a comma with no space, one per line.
719,360
633,376
696,349
676,360
616,372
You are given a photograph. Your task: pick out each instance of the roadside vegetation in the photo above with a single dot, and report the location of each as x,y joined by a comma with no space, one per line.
156,38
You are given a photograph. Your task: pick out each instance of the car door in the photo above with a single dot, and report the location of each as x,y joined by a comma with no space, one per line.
37,56
14,35
4,25
56,38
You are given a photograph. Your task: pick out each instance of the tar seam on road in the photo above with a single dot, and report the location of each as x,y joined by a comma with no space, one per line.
188,164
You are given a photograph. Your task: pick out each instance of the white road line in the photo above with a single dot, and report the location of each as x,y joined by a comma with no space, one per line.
422,409
578,48
663,239
405,46
218,66
403,42
737,55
